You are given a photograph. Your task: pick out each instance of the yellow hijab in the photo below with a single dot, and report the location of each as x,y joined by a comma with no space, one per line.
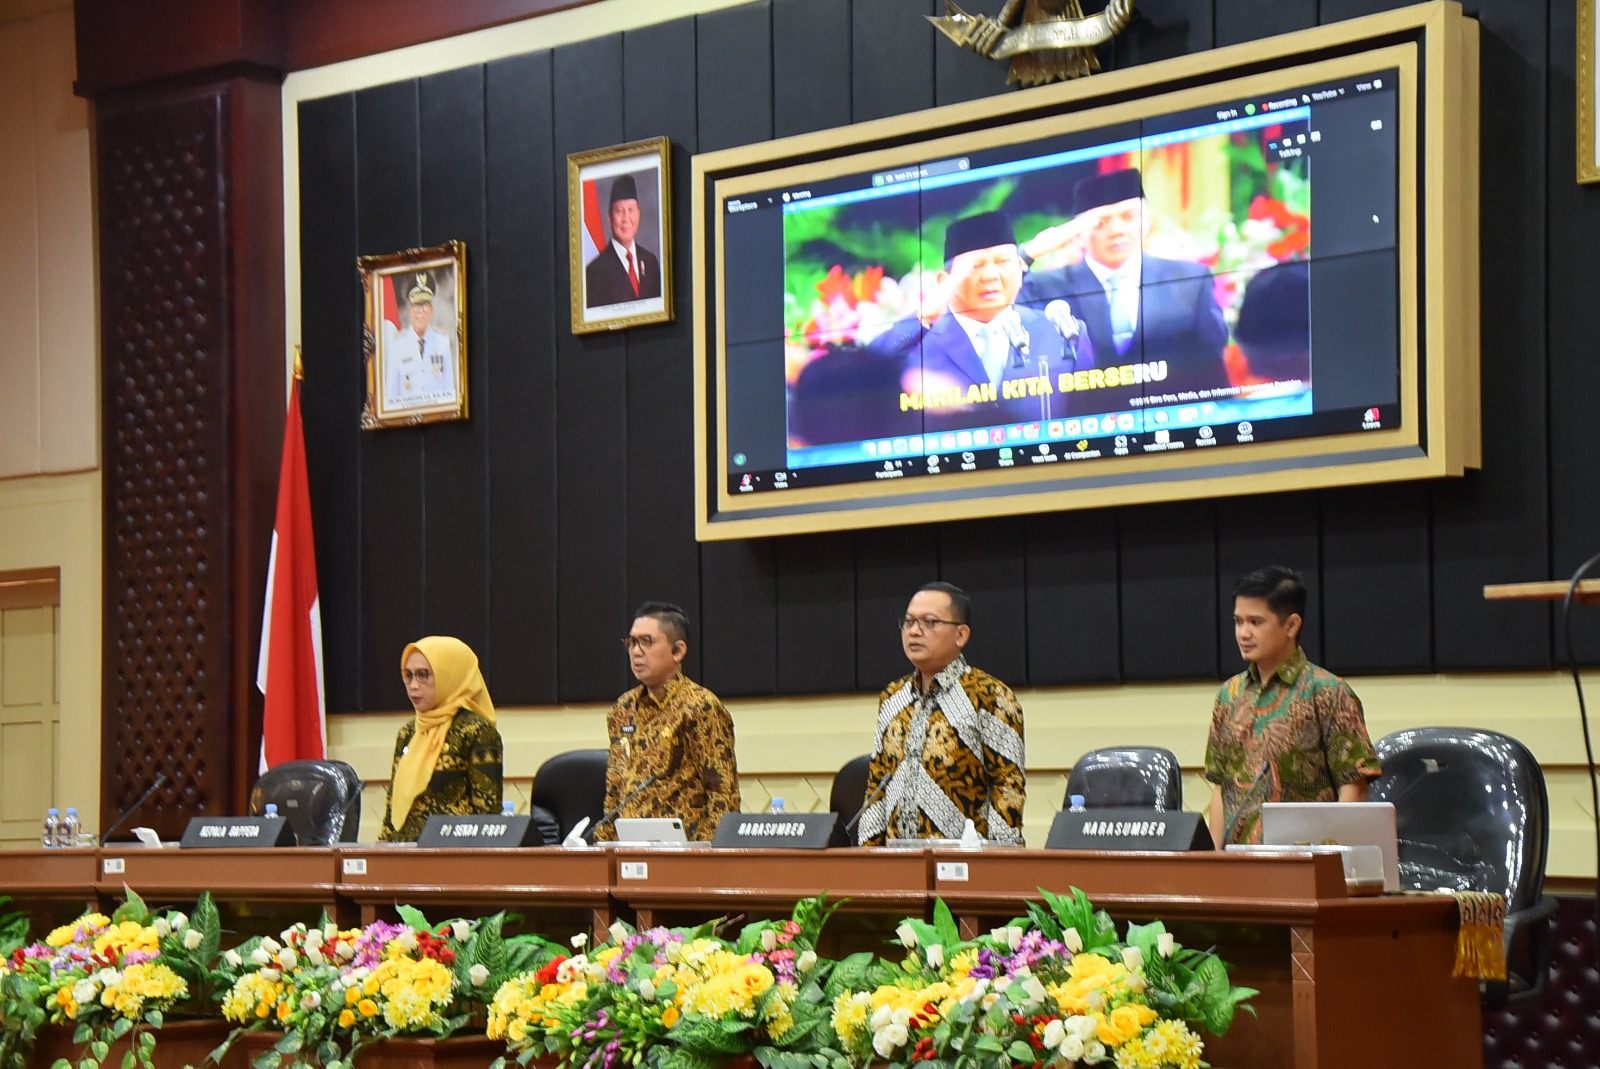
457,685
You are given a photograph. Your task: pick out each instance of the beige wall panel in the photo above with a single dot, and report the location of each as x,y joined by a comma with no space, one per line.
26,787
68,384
19,250
27,653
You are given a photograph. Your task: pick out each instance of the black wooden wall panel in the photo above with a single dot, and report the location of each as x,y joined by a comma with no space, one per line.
455,458
533,530
592,441
333,382
394,500
519,407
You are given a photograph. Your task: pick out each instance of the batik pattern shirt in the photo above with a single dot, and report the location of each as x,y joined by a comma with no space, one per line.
945,755
1298,736
466,781
686,742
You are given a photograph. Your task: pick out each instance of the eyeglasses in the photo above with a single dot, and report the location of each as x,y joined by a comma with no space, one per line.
638,642
421,675
925,623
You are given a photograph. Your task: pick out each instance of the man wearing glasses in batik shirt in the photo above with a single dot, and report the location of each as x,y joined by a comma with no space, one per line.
671,749
949,745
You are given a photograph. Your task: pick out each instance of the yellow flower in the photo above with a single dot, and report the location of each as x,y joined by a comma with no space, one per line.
284,1010
1124,1023
347,1018
669,1016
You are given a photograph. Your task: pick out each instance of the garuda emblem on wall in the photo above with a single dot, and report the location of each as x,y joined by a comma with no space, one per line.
1045,40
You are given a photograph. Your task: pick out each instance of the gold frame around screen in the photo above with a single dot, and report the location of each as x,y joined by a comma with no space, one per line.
655,152
452,256
1588,166
1441,435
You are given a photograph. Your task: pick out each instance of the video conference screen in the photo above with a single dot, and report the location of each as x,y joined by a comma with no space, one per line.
1206,279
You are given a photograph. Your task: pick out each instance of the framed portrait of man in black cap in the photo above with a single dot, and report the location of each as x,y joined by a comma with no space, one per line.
416,336
619,200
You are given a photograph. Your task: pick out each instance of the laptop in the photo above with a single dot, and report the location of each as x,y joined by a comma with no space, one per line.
650,830
1343,823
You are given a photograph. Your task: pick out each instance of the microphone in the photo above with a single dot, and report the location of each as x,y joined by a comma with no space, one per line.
1059,313
134,808
611,814
850,825
1017,335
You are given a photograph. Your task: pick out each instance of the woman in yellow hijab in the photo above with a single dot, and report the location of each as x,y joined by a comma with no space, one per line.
447,758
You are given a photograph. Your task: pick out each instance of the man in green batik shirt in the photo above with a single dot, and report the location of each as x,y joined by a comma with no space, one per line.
1283,730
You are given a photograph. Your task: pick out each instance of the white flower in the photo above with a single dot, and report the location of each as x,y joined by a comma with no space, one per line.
407,940
1165,944
232,958
1013,937
329,930
1094,1051
1034,991
647,990
567,971
1073,941
1095,1000
1136,983
1132,958
260,955
313,938
935,956
163,929
1054,1033
908,937
674,952
1083,1027
618,931
460,929
178,922
902,1017
1001,983
806,961
1071,1047
314,956
479,974
271,945
287,958
192,939
880,1017
889,1039
311,1000
769,940
346,951
271,975
580,940
83,991
357,975
998,935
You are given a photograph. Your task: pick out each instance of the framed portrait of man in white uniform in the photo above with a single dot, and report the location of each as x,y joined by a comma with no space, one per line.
416,336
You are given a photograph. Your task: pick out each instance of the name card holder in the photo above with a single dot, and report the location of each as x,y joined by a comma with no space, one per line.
1128,828
786,831
486,831
234,833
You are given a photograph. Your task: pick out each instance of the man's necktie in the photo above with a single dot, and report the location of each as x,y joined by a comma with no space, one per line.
633,276
996,347
1124,300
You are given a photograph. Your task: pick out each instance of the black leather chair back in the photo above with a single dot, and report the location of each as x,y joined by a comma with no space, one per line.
849,791
321,799
1472,814
571,786
1147,777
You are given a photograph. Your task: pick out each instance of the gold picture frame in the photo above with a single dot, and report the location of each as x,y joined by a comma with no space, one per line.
415,339
1588,142
621,278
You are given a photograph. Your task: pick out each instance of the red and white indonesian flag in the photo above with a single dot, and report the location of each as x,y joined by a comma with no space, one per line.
594,227
293,725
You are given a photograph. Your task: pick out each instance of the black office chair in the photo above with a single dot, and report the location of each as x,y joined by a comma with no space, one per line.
569,787
321,800
1471,813
1145,777
845,798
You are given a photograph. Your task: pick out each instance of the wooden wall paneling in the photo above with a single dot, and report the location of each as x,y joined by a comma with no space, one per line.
591,424
525,251
1074,603
1170,614
327,31
1276,529
891,58
738,580
330,396
1572,222
988,559
1495,523
810,65
960,73
1163,29
1339,10
658,99
891,565
456,455
393,501
816,613
1247,20
1376,598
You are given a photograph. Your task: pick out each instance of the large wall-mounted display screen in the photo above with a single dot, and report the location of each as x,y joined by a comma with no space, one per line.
1114,303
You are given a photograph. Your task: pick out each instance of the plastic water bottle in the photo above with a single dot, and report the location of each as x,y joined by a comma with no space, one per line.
52,828
1076,804
70,830
776,806
270,809
508,809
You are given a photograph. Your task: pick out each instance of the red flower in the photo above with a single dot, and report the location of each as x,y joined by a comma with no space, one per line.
837,286
547,975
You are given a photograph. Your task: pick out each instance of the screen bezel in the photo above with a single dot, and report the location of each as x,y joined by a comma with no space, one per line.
1434,50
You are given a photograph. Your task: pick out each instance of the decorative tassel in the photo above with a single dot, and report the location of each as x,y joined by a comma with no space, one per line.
1480,944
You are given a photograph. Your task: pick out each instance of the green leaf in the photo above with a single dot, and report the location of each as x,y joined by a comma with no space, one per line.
60,1063
129,1060
154,1019
208,922
410,915
146,1042
945,924
82,1033
267,1059
1021,1053
290,1043
132,908
99,1048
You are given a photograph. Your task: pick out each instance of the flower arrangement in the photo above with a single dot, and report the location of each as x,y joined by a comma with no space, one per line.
110,978
333,992
1053,989
678,998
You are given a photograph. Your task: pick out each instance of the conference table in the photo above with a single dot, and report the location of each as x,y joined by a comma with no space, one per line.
1344,981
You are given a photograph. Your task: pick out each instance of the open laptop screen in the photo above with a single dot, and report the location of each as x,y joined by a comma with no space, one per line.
1344,823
